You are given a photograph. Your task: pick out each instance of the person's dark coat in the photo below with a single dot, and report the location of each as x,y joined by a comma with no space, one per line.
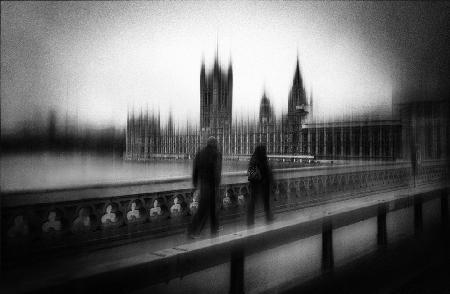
260,185
206,177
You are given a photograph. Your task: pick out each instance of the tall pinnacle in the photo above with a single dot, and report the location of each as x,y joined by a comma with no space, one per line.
217,49
298,81
202,69
216,60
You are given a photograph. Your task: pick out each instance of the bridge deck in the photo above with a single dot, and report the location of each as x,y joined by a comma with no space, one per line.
39,275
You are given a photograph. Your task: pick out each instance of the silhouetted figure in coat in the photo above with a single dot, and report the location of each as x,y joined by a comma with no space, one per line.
261,180
206,178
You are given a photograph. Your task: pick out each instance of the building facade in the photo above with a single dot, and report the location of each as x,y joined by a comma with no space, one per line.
295,133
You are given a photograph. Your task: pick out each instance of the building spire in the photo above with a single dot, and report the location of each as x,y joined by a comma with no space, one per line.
202,67
217,48
297,76
230,71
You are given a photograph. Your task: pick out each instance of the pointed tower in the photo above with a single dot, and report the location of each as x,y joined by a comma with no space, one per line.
297,94
265,111
297,111
216,98
204,97
216,93
230,91
311,104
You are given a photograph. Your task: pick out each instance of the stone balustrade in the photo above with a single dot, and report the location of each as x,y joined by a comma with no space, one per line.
36,221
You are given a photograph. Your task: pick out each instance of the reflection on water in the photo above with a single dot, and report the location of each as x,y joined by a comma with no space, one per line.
52,170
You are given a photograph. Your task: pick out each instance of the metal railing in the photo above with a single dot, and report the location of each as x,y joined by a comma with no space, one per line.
36,221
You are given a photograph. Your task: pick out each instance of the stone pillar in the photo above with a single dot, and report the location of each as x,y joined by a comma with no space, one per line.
444,209
443,137
406,129
280,140
235,142
247,139
370,137
352,149
228,136
418,217
423,130
433,134
342,141
361,155
300,143
381,226
273,138
237,271
327,246
381,142
391,146
325,141
333,142
317,141
254,142
309,141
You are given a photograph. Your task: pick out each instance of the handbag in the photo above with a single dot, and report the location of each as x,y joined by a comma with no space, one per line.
254,174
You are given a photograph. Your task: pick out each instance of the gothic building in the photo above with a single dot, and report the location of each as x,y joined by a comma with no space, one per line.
216,98
294,134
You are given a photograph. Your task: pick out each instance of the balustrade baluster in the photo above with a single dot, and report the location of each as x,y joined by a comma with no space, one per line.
381,226
327,246
444,208
418,217
237,271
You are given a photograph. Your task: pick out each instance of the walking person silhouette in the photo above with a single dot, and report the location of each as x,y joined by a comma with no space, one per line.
261,180
206,178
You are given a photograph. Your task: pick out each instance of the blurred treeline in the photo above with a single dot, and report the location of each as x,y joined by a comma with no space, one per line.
67,135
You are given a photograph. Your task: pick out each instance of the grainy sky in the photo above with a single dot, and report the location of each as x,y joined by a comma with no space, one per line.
95,60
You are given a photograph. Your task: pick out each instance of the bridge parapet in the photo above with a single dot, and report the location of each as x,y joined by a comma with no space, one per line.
37,221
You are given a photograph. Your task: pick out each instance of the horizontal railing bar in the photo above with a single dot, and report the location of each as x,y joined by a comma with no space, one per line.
187,177
45,196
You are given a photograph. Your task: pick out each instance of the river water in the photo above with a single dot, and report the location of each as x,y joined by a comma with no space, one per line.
58,170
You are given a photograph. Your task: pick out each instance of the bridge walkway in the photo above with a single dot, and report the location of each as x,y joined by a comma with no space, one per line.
413,265
38,276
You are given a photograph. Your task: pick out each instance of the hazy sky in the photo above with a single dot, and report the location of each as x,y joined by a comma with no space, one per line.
97,59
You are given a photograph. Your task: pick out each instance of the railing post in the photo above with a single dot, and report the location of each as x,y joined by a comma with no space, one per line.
381,226
418,219
327,246
237,271
444,208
